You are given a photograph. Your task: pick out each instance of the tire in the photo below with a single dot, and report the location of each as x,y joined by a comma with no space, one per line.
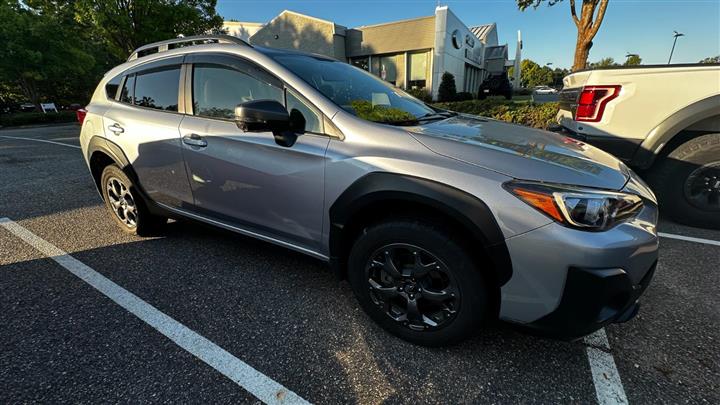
687,182
125,205
452,293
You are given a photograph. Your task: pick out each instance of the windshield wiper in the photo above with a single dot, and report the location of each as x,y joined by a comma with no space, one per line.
440,115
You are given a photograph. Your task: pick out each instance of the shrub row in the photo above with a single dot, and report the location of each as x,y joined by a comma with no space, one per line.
530,114
18,119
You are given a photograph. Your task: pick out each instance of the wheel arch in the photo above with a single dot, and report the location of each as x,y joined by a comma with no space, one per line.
103,152
380,194
673,131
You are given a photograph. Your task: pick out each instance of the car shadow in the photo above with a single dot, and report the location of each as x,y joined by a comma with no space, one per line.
288,316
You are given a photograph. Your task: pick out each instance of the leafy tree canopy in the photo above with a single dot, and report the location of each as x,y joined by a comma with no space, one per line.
39,53
712,59
633,60
532,74
603,63
58,50
125,25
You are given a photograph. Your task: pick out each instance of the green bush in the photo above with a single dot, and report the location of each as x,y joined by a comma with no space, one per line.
463,96
529,114
18,119
420,94
447,90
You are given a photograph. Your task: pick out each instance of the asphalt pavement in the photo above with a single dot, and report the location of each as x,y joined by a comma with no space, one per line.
285,316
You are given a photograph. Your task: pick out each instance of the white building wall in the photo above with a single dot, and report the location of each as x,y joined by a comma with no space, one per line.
242,30
448,58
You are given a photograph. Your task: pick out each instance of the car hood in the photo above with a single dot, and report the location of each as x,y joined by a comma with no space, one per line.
522,152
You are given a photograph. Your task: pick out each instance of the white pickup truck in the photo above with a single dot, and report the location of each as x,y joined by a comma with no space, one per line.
663,121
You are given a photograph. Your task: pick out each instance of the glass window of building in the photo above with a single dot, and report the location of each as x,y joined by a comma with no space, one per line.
388,68
418,70
362,63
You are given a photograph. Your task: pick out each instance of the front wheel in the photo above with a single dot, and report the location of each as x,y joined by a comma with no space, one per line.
418,283
687,182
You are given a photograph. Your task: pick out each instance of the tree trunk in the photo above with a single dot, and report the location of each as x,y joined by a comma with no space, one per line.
582,52
30,91
586,28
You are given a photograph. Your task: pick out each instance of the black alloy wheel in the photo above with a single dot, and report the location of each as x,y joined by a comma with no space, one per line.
421,281
412,286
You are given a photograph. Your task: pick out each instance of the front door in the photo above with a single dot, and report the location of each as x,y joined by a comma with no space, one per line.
246,178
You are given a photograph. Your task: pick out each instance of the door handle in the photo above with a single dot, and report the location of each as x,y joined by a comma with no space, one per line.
194,140
116,129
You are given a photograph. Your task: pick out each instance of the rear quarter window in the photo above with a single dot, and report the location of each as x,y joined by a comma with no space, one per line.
111,87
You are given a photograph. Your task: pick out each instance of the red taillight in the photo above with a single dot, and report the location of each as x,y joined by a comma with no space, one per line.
81,115
592,102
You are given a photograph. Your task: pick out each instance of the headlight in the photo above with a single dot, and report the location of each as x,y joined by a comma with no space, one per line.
577,207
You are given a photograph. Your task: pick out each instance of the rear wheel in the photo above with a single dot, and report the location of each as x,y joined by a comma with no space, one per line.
125,205
687,182
418,283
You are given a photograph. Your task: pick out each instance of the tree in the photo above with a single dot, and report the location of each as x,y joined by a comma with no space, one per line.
591,17
532,74
712,59
633,60
124,25
39,54
447,90
558,75
603,63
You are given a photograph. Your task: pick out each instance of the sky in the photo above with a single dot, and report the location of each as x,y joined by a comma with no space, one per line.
643,27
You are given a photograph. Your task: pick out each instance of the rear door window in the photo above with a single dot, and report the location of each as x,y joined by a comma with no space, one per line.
158,89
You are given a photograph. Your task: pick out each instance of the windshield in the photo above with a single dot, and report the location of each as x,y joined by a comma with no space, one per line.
356,90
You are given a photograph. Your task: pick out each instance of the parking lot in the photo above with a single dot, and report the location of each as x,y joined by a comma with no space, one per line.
196,314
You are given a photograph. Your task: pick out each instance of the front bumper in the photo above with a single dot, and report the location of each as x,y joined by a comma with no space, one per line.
593,298
568,283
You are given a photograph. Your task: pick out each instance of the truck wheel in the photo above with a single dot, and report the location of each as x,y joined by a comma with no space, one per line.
687,182
418,282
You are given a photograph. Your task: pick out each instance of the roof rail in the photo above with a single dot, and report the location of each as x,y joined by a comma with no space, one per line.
164,46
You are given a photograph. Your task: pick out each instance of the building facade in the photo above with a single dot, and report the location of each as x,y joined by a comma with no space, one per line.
412,54
242,30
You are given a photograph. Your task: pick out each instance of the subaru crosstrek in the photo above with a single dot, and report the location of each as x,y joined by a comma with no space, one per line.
439,221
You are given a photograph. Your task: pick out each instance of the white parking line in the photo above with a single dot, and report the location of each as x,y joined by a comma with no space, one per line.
256,383
689,239
608,387
39,140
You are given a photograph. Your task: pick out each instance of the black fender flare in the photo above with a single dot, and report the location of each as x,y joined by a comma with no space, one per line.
100,144
463,207
112,150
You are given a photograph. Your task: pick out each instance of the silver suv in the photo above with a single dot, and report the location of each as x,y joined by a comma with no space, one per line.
438,220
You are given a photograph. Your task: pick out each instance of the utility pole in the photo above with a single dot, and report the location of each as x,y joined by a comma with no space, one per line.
676,35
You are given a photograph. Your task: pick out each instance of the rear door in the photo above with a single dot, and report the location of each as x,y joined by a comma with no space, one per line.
145,123
246,178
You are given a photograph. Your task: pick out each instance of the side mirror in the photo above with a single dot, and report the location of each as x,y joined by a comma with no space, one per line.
263,116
